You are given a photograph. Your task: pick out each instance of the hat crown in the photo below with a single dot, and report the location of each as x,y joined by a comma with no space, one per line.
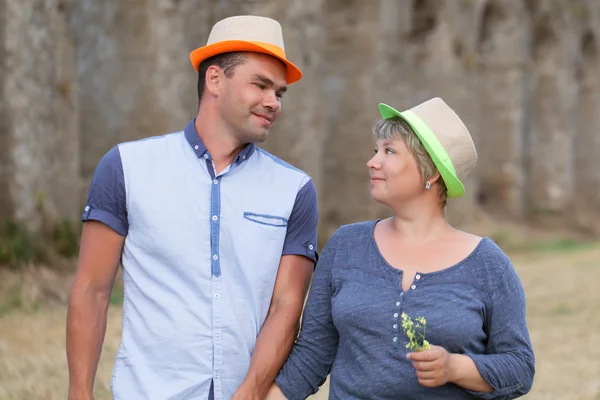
451,132
247,28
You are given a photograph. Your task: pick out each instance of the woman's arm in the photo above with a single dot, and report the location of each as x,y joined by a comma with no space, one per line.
508,364
436,367
506,369
310,361
275,393
464,373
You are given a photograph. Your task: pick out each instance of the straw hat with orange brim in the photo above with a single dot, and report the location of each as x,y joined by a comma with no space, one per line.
246,33
444,136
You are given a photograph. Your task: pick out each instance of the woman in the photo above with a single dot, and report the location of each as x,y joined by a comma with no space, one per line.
371,274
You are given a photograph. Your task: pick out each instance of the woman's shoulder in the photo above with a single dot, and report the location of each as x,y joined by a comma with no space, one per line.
355,230
491,261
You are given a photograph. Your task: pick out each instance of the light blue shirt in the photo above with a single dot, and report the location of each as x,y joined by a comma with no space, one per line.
200,258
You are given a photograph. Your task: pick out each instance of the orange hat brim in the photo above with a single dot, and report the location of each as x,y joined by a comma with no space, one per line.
293,73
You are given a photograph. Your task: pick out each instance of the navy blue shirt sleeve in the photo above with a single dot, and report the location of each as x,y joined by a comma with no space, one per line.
106,200
508,364
301,236
314,352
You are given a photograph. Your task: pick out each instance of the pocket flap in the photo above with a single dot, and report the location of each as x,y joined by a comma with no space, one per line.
271,220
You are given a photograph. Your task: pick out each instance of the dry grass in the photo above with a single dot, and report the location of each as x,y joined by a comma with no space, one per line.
564,319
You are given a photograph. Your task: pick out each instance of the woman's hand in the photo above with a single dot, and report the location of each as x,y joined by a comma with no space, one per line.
433,366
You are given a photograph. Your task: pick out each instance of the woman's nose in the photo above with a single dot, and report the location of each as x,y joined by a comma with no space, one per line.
372,163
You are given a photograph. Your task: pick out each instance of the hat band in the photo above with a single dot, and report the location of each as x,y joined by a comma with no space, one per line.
436,151
276,50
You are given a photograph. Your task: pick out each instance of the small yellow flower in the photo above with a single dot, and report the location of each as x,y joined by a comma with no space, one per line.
415,333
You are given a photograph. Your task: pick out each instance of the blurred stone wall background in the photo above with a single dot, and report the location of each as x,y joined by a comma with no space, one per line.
79,76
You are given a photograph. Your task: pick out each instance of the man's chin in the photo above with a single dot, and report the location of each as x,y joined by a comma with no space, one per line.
259,137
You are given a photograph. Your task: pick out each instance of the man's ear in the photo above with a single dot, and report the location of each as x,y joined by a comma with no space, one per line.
213,80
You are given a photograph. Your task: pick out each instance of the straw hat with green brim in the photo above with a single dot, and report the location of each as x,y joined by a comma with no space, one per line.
444,136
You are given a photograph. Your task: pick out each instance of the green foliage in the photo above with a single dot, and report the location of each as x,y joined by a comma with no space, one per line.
65,239
11,300
118,294
19,245
415,331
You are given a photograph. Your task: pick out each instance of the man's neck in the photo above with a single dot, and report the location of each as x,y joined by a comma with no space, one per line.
222,145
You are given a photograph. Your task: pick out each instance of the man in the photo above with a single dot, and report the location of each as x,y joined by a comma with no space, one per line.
217,238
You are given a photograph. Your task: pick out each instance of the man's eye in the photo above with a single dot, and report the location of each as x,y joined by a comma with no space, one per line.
260,85
389,151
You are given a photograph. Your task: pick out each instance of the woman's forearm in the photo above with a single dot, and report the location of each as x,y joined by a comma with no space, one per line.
275,393
465,374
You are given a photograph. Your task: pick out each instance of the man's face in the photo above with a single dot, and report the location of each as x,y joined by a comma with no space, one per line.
251,99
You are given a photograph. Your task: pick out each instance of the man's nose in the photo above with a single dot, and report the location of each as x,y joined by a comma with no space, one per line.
271,101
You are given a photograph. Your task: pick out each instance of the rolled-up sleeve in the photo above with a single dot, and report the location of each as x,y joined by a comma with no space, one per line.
301,236
106,201
311,359
508,364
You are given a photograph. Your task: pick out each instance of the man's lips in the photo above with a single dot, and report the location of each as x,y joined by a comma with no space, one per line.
376,179
266,117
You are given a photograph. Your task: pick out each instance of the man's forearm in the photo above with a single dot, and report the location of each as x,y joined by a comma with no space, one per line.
86,327
273,346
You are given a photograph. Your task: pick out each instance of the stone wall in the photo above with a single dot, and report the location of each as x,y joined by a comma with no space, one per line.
523,74
39,132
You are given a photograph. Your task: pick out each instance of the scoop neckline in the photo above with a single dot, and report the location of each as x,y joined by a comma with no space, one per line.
422,274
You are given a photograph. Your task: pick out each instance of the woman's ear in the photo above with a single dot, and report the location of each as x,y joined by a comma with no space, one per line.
434,178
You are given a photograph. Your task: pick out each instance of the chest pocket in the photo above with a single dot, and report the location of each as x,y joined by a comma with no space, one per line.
272,226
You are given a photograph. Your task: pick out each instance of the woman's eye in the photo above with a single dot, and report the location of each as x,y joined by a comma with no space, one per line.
389,151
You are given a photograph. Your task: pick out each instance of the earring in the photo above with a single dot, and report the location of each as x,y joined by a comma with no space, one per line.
428,185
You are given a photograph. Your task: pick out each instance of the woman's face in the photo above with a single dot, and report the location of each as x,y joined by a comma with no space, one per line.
395,175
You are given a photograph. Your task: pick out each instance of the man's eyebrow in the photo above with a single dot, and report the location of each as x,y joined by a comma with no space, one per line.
269,82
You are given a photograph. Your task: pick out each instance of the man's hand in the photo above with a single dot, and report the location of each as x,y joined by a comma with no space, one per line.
80,396
244,392
434,366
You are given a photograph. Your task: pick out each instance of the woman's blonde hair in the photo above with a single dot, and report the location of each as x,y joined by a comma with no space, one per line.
397,128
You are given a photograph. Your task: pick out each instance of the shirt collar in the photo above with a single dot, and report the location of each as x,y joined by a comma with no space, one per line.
200,149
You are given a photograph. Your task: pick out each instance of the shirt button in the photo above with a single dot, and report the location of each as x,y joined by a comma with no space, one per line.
243,157
87,208
395,326
215,181
310,247
395,339
196,147
397,304
218,333
418,276
413,287
215,257
395,315
217,296
214,218
205,156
